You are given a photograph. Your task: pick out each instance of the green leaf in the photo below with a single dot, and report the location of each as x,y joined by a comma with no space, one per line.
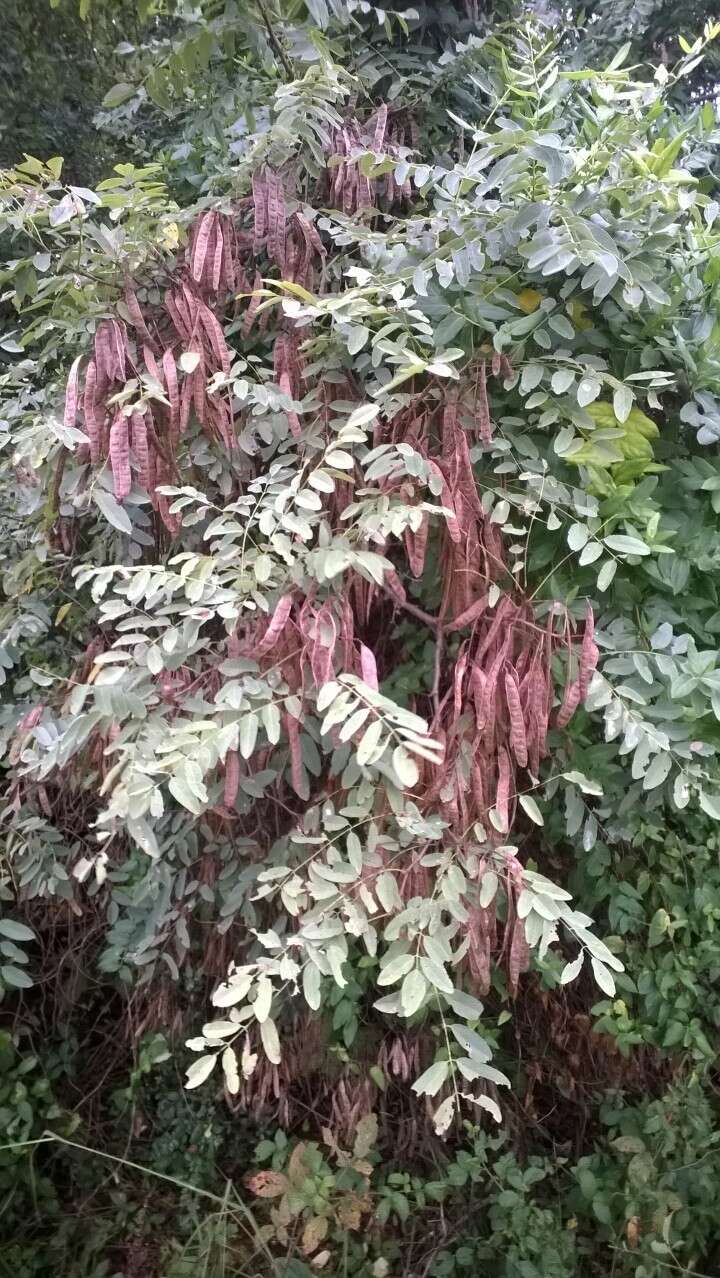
626,545
436,975
369,743
15,931
603,976
396,969
528,804
112,510
412,992
405,768
312,985
588,389
15,977
181,791
270,1041
606,574
364,415
577,536
248,732
430,1082
658,771
118,94
572,970
710,803
471,1042
623,400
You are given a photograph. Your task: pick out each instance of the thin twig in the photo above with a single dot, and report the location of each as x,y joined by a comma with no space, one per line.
272,37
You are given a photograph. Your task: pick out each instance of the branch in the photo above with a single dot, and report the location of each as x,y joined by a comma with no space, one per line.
272,37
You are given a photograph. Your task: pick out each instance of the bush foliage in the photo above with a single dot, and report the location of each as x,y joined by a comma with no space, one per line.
359,645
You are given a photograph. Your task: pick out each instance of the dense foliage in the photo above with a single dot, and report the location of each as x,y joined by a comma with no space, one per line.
359,634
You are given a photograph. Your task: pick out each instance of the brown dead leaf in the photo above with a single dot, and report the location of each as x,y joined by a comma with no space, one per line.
313,1234
267,1184
297,1171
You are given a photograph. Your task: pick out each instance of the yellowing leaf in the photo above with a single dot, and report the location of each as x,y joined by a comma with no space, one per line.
528,300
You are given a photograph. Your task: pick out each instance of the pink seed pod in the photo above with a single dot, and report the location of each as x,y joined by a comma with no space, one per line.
173,394
260,199
71,394
276,218
518,956
277,625
518,739
380,126
589,654
200,246
368,667
292,727
483,407
141,449
93,413
232,778
136,315
217,261
120,456
570,703
502,794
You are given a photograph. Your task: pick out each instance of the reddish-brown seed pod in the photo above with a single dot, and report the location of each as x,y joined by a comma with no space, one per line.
105,355
416,547
255,301
260,198
71,394
216,336
518,740
217,261
453,527
199,384
458,677
292,727
589,654
502,794
118,347
93,413
151,364
186,399
177,316
136,314
518,955
292,417
140,449
276,217
201,244
120,456
368,667
570,703
277,625
470,614
310,234
173,393
229,277
232,778
483,407
380,126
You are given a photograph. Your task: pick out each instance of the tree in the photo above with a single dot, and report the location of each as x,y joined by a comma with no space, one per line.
372,510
